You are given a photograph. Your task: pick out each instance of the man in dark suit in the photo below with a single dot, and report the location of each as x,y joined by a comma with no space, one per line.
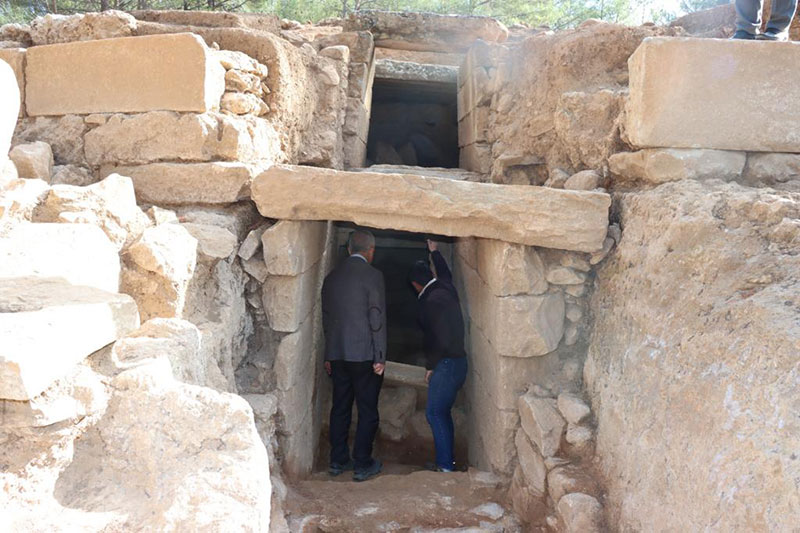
354,320
445,357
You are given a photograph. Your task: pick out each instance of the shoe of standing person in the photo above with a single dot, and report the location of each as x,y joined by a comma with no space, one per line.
336,469
743,35
772,35
369,472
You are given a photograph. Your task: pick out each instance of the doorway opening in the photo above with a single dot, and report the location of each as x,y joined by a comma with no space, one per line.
413,123
404,437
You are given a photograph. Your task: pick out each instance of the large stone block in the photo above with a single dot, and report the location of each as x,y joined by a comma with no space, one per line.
288,300
188,183
15,57
426,31
48,326
510,269
80,253
491,430
131,74
169,136
660,165
517,326
707,93
403,70
537,216
9,94
542,422
292,247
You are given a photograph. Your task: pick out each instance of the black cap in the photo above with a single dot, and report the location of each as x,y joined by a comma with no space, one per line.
421,273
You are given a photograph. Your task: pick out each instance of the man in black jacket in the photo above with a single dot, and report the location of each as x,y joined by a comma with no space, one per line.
354,321
443,326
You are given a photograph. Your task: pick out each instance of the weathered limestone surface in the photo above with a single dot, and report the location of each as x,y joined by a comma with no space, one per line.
510,269
681,97
580,513
571,220
542,423
403,70
188,183
49,325
288,300
193,450
131,74
292,247
718,369
426,31
109,204
33,160
531,462
780,171
660,165
61,250
52,29
169,136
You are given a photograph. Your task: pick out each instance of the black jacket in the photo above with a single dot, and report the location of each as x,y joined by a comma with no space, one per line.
440,316
354,313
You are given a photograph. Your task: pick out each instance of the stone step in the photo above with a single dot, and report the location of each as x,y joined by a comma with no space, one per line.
431,172
535,216
402,374
48,326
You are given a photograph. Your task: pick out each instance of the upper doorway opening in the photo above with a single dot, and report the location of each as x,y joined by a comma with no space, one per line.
414,120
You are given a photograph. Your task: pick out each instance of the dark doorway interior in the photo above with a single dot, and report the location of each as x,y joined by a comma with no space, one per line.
413,123
395,252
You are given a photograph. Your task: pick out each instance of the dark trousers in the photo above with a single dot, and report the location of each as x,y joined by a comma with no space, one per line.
447,379
354,381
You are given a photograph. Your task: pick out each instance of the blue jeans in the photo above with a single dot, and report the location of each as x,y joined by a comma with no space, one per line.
748,15
448,377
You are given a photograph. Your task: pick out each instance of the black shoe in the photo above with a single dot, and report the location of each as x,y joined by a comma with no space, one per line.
743,35
336,469
363,474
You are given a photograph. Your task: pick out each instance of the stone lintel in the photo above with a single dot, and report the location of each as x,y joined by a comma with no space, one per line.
403,70
536,216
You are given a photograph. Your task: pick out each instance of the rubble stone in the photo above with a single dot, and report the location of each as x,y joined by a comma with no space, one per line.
213,242
580,513
71,175
109,204
573,408
695,107
572,220
187,78
49,325
510,269
585,180
52,29
60,250
565,479
33,160
531,462
781,171
542,423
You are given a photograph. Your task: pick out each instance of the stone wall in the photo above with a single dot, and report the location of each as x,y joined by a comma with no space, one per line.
692,365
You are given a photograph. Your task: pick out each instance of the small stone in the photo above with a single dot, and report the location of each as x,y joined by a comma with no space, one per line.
328,75
256,268
577,290
573,408
489,510
33,160
571,334
565,276
243,82
597,257
553,462
565,479
159,215
585,180
580,513
252,243
557,179
71,175
578,435
339,53
243,104
213,242
574,312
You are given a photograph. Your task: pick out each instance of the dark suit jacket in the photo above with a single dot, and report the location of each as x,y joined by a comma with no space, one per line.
354,313
440,316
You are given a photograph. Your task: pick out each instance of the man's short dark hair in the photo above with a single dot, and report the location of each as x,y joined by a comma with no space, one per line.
361,241
420,273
